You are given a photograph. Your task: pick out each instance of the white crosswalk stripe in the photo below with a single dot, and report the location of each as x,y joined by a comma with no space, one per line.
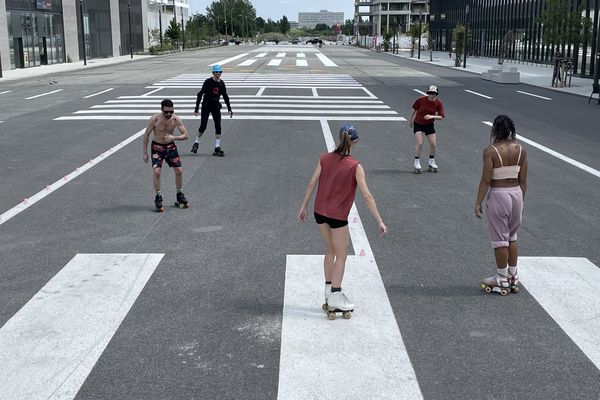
346,99
282,56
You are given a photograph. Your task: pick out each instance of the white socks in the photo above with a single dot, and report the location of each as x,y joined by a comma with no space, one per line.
217,142
512,270
198,139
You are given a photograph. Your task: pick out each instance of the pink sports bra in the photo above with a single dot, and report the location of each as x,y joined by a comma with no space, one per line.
506,172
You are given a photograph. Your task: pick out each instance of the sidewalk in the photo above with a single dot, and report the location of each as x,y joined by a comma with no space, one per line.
532,74
23,73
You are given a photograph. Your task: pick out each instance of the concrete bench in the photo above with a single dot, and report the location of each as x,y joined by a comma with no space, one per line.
501,74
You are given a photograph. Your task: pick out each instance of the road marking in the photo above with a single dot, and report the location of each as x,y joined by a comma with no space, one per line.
420,92
273,63
26,203
96,94
478,94
6,91
261,91
154,108
261,55
325,60
237,116
247,62
251,110
248,96
534,95
153,91
280,55
49,347
228,60
323,359
43,94
300,55
301,63
568,288
252,99
554,153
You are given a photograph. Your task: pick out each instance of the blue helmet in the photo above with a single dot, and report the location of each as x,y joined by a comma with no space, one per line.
217,68
351,130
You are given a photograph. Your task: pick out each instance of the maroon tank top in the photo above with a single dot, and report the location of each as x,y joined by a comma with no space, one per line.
337,186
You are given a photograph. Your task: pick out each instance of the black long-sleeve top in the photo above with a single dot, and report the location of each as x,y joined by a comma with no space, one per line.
212,91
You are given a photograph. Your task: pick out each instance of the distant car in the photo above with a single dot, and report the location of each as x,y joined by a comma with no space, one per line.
295,41
313,41
235,40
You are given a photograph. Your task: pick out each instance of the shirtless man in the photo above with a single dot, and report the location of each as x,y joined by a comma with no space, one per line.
163,148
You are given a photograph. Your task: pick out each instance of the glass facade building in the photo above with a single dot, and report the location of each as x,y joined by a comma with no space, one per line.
490,22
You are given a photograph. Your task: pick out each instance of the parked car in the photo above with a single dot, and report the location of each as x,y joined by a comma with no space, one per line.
295,41
235,40
313,41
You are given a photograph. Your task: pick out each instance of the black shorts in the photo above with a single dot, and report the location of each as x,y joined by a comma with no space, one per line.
333,223
167,152
426,129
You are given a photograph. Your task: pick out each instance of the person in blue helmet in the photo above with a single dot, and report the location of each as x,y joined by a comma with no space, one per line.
338,175
210,94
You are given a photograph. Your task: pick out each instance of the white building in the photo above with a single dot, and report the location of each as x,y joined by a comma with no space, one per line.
375,17
160,14
311,19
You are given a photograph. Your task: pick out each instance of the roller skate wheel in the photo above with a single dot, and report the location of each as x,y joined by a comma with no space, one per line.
431,169
347,314
503,292
514,289
324,307
417,171
162,209
331,315
488,289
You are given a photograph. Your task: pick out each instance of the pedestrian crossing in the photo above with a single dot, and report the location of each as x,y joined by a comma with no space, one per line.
289,56
280,97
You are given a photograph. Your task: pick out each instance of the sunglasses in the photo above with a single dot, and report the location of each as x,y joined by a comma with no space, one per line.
218,73
168,112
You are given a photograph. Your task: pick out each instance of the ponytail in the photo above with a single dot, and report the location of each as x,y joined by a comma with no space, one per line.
345,146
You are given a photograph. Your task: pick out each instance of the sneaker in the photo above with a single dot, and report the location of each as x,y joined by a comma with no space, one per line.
195,148
339,301
417,166
218,152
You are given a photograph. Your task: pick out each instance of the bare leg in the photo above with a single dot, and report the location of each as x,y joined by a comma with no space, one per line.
340,238
513,253
418,143
432,144
178,177
501,254
156,179
329,252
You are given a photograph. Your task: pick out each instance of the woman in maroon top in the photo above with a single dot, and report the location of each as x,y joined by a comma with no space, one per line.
426,110
338,175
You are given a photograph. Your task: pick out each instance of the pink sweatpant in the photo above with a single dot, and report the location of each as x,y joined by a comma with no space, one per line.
504,213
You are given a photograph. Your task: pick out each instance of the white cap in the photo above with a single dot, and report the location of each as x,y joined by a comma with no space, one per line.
432,89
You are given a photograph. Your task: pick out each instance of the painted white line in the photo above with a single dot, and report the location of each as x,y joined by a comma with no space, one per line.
154,91
261,55
96,94
261,91
325,60
478,94
368,92
240,117
26,203
43,94
569,290
554,153
252,110
228,60
255,99
247,62
368,349
301,63
280,55
247,96
273,63
420,92
534,95
300,55
154,108
1,122
49,347
6,91
273,85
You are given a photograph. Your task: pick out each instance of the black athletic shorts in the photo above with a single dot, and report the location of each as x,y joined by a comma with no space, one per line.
426,129
333,223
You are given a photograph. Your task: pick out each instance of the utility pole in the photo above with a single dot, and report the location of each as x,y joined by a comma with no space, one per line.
466,31
130,36
82,31
160,23
182,31
420,34
225,14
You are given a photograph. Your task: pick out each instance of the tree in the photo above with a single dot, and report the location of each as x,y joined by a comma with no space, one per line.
173,32
458,37
563,27
284,25
415,33
322,27
387,36
229,15
260,24
348,28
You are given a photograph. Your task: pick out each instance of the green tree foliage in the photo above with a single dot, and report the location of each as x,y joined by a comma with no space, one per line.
563,26
284,25
322,28
173,32
238,16
348,28
415,33
259,22
387,36
458,37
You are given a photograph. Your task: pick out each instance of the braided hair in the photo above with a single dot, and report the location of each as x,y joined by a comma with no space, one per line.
503,129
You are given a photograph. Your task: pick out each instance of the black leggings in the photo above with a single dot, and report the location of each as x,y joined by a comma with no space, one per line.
215,110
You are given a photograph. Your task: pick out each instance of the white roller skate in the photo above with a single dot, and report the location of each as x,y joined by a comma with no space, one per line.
327,293
432,165
339,302
417,166
496,283
513,280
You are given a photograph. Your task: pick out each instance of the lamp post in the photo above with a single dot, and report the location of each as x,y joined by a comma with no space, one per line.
182,31
465,38
225,14
130,36
82,31
420,31
160,24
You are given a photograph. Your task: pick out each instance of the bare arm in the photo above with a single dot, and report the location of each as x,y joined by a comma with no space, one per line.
149,130
484,183
309,191
368,197
523,173
184,132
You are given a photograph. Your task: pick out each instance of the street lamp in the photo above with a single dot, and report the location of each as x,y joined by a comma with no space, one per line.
130,36
182,31
465,38
82,31
160,23
420,32
225,15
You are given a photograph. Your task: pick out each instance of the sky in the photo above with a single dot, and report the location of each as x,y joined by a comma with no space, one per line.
275,9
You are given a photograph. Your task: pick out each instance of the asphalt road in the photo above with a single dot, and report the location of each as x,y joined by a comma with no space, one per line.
208,323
